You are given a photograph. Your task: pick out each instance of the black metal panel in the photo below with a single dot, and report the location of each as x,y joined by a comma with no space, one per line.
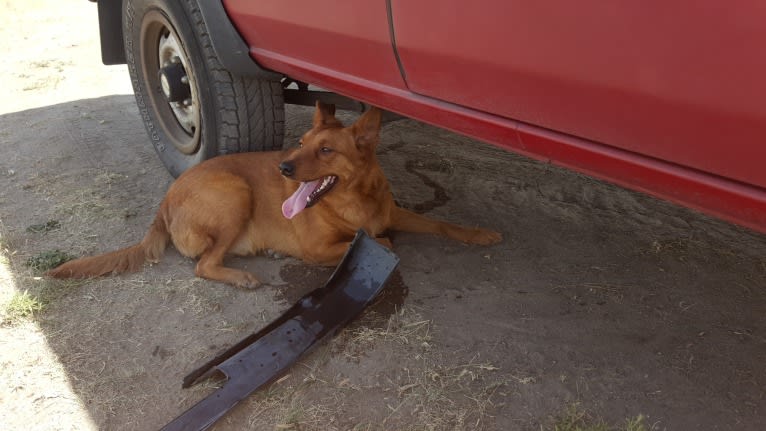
110,31
266,354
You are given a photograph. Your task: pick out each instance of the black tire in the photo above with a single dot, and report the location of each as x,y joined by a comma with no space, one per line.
226,113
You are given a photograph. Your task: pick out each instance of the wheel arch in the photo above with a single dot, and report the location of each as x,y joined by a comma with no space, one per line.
231,49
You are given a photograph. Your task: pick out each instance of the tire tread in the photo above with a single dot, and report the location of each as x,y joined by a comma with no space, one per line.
247,113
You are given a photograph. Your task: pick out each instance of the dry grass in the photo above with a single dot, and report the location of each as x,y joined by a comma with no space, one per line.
428,393
682,248
575,418
404,327
90,203
448,397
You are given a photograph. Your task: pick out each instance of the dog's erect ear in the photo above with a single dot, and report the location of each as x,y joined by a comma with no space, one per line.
367,128
325,115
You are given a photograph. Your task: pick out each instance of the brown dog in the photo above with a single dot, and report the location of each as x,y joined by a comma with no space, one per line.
330,187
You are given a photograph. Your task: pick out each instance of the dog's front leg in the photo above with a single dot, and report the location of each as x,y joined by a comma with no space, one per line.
408,221
331,256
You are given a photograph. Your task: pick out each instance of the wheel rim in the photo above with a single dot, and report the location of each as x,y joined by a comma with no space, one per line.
161,48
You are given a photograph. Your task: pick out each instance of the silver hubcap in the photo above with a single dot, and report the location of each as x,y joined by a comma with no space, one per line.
186,111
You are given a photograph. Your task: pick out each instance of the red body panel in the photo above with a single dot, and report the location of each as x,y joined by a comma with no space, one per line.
691,168
671,80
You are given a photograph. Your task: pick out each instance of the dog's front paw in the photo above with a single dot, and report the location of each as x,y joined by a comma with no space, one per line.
247,281
484,237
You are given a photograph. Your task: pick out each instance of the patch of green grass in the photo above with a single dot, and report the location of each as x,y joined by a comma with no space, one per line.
48,260
20,306
577,419
38,294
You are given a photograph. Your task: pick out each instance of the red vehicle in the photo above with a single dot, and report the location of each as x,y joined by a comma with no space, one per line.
665,98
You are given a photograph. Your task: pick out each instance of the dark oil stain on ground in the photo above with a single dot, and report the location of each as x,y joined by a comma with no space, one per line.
440,195
414,167
301,279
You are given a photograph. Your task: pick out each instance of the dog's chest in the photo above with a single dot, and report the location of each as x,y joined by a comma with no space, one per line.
350,216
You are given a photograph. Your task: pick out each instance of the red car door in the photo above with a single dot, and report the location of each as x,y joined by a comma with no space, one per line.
683,82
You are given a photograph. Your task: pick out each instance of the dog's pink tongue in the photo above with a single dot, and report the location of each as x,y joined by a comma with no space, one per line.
297,202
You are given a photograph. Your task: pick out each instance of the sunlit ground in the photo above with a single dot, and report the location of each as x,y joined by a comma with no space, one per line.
51,55
34,390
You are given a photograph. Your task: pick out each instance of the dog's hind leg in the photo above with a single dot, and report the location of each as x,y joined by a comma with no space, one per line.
210,266
207,222
210,244
408,221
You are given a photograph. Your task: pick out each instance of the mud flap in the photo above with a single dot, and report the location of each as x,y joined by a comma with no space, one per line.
265,355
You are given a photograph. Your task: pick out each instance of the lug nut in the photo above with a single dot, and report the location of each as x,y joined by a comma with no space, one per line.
173,85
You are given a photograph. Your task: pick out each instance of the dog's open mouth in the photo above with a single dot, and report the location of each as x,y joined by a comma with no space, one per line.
308,194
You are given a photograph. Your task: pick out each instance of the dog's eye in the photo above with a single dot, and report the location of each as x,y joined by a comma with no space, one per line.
300,144
325,150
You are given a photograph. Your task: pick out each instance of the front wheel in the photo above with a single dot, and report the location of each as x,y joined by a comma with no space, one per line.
192,107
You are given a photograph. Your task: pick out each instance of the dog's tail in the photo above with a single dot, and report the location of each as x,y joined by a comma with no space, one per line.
128,259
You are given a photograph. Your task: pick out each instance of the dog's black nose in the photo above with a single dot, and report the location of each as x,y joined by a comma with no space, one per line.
287,169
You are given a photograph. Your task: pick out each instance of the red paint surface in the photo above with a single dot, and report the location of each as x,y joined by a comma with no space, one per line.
686,169
674,81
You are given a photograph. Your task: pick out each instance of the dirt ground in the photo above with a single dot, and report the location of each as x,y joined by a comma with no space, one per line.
600,298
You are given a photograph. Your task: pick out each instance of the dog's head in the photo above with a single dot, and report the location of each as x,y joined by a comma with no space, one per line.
329,155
